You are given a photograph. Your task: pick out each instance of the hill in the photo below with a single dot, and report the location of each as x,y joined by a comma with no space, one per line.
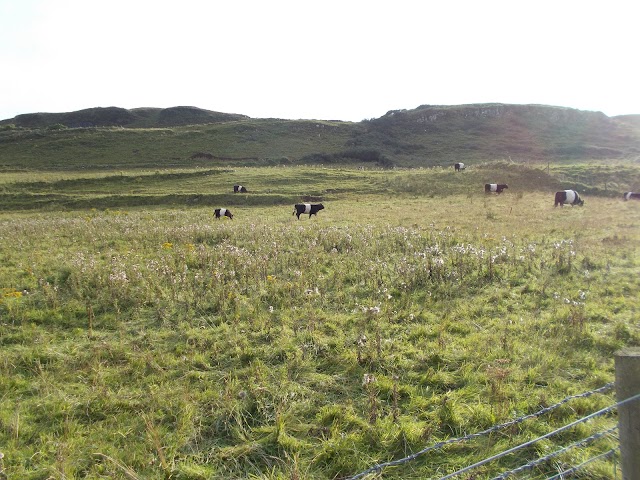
121,117
534,132
426,136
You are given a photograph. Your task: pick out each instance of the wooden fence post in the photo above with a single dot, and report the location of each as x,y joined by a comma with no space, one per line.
627,363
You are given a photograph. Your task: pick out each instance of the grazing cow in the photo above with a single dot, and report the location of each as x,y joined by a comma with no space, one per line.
223,212
239,189
459,166
495,187
631,195
568,196
310,208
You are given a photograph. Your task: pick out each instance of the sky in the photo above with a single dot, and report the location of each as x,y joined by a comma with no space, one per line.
326,60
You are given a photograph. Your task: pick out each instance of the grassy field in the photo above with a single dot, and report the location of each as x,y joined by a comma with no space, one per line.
141,338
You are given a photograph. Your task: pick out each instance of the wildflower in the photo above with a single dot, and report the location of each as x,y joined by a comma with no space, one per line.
12,294
271,278
270,308
167,245
368,378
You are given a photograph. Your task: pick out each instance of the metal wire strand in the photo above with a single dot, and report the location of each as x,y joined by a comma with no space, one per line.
531,442
378,468
578,467
538,461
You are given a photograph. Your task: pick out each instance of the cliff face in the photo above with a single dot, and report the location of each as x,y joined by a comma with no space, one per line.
427,114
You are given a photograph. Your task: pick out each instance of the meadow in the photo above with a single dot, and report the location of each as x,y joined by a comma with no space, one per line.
142,338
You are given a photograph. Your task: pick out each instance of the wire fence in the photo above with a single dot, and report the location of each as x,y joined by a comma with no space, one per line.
609,386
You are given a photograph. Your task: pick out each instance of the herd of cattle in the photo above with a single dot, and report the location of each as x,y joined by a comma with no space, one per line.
564,197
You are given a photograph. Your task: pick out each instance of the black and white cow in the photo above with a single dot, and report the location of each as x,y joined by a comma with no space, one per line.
495,187
310,208
223,212
459,166
631,196
239,189
568,196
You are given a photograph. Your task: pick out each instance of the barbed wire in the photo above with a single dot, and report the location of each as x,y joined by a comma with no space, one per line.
578,467
531,442
538,461
527,444
378,468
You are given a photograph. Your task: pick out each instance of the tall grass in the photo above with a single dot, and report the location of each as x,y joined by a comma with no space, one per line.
160,343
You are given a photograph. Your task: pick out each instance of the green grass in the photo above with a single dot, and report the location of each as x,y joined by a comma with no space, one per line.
145,339
260,142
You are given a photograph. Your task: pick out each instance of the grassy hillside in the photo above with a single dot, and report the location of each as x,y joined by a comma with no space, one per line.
531,132
148,340
426,136
261,142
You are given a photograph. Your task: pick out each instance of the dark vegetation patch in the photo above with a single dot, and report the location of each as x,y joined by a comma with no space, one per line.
71,202
354,155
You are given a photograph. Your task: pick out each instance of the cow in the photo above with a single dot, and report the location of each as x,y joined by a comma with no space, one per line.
459,166
239,189
310,208
223,212
631,195
495,187
568,196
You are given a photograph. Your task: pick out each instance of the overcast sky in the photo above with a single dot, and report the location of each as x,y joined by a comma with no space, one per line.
329,59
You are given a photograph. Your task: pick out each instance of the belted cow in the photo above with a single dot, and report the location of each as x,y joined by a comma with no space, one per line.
239,189
459,166
495,187
568,196
631,196
223,212
310,208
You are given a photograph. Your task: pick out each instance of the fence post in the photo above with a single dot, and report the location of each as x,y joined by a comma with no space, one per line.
627,385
